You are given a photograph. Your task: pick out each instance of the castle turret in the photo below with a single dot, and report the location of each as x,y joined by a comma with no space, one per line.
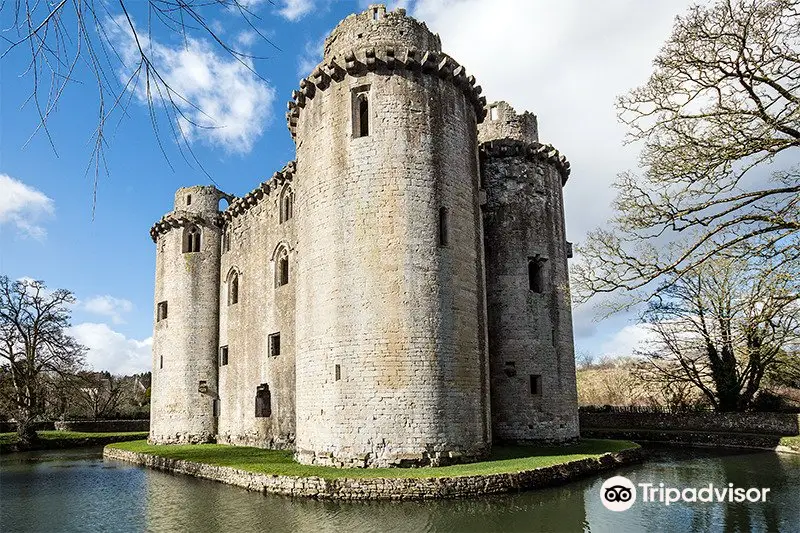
532,358
390,332
184,387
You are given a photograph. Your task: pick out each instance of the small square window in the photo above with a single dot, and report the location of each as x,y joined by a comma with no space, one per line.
536,384
161,311
223,355
275,344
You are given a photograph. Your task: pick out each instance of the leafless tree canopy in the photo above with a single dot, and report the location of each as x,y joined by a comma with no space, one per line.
722,328
34,344
65,39
719,109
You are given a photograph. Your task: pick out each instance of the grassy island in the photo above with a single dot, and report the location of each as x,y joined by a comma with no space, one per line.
504,459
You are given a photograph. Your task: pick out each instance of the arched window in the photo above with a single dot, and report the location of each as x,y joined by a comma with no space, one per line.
536,274
263,401
191,239
287,204
233,288
281,267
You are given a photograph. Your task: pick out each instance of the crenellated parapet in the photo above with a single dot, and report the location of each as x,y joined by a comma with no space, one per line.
533,151
386,60
241,205
180,219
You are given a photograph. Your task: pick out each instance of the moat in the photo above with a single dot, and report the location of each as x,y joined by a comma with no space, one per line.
76,490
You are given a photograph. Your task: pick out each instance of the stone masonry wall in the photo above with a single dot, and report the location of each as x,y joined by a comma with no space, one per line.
185,342
764,423
530,331
401,316
257,237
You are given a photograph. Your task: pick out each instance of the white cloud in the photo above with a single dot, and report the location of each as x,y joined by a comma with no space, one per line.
109,306
22,207
295,9
566,62
112,351
311,56
626,341
232,103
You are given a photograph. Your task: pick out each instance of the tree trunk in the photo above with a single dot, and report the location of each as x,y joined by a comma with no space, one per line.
26,433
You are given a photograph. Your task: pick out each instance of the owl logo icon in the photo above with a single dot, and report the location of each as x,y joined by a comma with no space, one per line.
618,493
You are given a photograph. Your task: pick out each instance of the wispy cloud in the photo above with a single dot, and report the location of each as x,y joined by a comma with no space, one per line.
112,351
231,104
295,9
311,55
109,306
23,207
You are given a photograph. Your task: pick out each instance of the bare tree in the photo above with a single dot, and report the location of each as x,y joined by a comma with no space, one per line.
717,114
100,393
722,328
33,344
64,37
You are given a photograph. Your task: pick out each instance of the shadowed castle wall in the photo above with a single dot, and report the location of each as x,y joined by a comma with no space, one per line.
530,327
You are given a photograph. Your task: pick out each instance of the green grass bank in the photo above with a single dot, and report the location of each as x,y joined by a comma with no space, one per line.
504,459
54,440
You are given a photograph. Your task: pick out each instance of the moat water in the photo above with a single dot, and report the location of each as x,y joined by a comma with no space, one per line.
76,490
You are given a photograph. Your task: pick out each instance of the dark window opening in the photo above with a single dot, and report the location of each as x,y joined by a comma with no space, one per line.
226,241
233,288
223,355
275,344
287,206
536,274
263,401
188,199
161,311
338,372
375,15
443,226
191,240
160,361
215,407
282,269
202,386
536,384
510,369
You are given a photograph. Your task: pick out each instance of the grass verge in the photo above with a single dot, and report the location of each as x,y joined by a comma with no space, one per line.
791,442
68,439
504,459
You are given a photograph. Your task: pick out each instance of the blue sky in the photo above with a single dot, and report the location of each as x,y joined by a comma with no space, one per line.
569,60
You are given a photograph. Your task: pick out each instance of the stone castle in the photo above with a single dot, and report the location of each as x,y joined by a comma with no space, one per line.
397,295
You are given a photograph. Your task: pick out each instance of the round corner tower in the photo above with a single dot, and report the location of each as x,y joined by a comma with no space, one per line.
186,318
390,338
532,361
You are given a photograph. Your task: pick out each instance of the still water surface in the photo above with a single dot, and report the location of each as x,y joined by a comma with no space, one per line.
76,490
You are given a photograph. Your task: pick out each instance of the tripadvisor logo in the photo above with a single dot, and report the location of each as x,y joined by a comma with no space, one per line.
619,494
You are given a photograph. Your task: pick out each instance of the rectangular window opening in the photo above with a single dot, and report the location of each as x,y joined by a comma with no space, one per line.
188,199
338,372
263,401
510,369
223,355
493,113
275,344
160,361
360,112
215,407
536,384
536,274
161,311
443,226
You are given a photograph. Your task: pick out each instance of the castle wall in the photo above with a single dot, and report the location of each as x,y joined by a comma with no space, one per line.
530,329
401,316
185,342
263,309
